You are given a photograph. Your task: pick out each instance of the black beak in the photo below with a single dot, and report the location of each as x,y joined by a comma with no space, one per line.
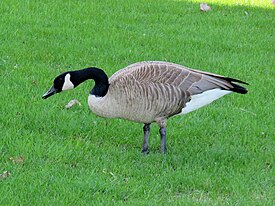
49,93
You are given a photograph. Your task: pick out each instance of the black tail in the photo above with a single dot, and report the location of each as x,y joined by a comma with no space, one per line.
239,89
236,87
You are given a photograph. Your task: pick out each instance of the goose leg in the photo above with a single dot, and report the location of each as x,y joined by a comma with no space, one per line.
145,146
162,132
162,121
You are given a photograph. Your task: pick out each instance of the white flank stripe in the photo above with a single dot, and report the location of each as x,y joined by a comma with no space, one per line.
205,98
67,83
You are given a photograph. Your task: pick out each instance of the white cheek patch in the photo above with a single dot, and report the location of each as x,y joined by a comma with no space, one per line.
67,83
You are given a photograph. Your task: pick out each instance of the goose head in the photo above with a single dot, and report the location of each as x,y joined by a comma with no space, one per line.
71,79
61,83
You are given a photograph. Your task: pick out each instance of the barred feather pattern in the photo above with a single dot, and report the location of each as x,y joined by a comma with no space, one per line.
146,91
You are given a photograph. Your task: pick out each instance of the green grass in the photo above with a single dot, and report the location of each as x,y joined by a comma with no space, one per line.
222,154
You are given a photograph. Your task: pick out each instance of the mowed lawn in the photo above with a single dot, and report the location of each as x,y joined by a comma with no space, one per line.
222,154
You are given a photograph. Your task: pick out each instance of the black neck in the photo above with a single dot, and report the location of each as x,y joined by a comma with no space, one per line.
101,80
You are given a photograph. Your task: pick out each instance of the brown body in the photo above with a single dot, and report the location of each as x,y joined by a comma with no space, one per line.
147,91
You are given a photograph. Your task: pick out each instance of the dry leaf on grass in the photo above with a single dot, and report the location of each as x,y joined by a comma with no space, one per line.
17,160
4,175
204,7
72,103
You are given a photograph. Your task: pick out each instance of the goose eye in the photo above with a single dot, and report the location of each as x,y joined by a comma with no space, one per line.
58,82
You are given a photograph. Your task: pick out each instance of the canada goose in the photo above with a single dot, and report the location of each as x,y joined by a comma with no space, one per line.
148,92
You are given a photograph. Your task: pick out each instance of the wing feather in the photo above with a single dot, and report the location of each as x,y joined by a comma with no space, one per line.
193,81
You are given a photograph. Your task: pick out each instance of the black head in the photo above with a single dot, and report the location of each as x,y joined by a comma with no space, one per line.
60,83
72,79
